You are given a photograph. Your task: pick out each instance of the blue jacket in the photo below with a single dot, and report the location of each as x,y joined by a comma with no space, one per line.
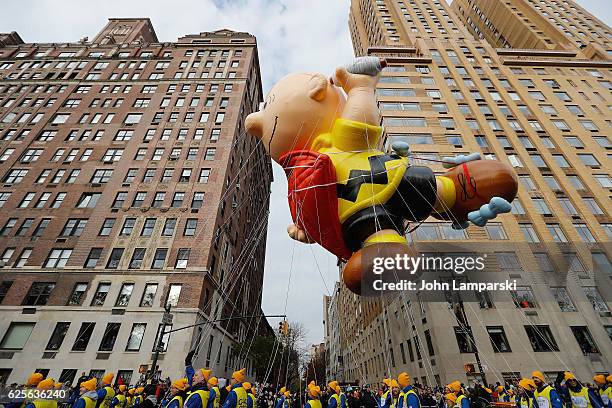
412,401
211,398
232,399
194,401
280,402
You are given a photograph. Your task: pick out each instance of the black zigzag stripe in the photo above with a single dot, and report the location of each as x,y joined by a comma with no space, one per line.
376,175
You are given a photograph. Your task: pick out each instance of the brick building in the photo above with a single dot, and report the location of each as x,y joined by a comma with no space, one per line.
528,83
127,181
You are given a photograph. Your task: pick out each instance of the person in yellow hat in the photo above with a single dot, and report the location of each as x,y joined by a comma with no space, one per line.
198,394
395,393
385,394
581,396
120,400
408,397
502,396
545,395
525,388
88,395
106,392
33,380
251,401
280,399
178,391
462,401
334,395
237,397
314,393
138,397
130,397
214,398
43,385
604,388
342,395
287,400
450,400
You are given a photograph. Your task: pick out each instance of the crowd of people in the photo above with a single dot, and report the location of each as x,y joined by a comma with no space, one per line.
201,389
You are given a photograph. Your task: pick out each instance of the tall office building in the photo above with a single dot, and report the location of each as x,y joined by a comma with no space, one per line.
531,88
128,182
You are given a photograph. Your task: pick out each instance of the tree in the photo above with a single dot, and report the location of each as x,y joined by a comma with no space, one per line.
276,360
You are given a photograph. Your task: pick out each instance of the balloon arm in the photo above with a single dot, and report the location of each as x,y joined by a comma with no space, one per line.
449,161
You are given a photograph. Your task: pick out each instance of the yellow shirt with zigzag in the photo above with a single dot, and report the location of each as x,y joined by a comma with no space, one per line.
353,149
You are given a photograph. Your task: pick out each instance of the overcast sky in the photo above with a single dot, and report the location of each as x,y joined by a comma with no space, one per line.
293,35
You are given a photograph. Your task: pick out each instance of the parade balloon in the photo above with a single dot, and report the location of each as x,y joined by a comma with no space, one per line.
348,195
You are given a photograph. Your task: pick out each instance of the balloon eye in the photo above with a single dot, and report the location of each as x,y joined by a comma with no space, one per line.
262,105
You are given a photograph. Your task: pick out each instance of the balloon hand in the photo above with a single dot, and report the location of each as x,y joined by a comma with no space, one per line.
298,234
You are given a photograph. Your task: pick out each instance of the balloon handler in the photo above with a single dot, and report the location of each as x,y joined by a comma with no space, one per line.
345,193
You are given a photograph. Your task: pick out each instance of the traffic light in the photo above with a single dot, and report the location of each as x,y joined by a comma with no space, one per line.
283,327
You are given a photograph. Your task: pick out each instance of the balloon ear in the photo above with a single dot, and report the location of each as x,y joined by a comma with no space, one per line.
318,87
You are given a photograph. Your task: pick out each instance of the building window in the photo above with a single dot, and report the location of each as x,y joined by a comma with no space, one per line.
158,199
38,295
137,257
463,341
585,233
133,118
77,295
125,294
174,293
495,231
169,227
4,288
148,227
160,258
88,200
101,293
136,336
58,258
109,337
148,296
198,200
83,336
58,335
598,303
93,258
74,227
17,335
115,258
498,339
139,199
182,258
585,340
529,232
177,200
563,299
523,297
128,227
190,227
541,338
165,339
210,155
107,227
101,176
557,233
204,175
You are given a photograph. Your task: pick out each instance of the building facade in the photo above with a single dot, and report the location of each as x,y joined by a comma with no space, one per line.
527,83
128,183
